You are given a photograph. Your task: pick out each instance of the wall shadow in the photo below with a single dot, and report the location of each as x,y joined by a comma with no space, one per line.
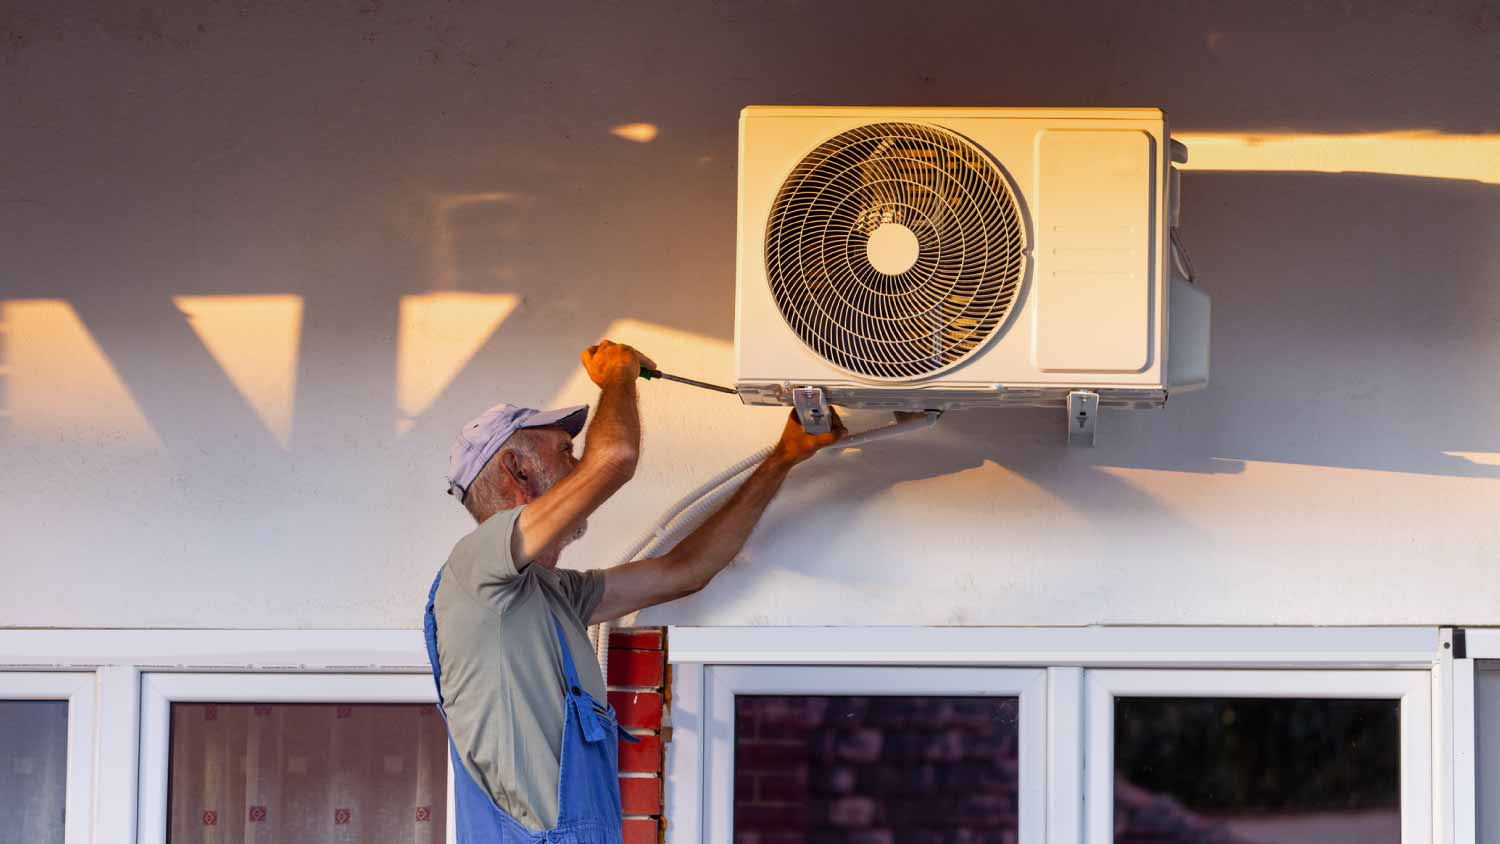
205,150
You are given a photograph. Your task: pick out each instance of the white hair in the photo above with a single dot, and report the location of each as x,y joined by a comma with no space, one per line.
486,495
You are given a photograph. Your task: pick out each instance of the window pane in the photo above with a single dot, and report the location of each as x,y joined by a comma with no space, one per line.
293,773
1487,737
875,770
33,770
1257,770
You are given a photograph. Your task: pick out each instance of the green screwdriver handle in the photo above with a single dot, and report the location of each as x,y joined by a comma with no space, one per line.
648,373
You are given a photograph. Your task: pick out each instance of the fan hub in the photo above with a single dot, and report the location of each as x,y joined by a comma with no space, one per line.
892,249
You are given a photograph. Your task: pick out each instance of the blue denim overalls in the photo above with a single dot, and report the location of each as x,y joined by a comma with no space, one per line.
588,787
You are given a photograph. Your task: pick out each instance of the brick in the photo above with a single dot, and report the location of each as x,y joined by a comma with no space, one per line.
643,756
839,779
636,668
745,728
947,746
640,795
638,638
861,745
765,817
638,710
852,812
784,787
895,713
642,830
763,754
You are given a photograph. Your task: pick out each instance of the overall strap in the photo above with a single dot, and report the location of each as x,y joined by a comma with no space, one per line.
574,696
429,634
570,672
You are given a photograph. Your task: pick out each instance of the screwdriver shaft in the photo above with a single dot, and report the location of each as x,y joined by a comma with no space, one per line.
679,379
657,373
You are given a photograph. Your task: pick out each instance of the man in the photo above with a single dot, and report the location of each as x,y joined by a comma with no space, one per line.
533,738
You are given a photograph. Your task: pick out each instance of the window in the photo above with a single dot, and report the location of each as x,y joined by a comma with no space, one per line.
844,754
831,767
293,758
1102,735
303,769
1487,745
1055,717
1258,769
1251,756
33,779
46,727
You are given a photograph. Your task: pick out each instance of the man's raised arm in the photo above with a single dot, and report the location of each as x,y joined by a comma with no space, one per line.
707,550
608,461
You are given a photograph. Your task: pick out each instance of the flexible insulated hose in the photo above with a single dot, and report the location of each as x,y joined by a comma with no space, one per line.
691,509
601,636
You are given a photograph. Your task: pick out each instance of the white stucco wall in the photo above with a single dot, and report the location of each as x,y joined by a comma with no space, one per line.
248,249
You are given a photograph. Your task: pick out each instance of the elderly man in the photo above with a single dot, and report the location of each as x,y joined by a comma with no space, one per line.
533,738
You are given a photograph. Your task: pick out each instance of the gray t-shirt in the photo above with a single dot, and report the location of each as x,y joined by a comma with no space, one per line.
502,675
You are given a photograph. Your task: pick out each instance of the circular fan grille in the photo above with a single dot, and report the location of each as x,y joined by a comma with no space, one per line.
895,250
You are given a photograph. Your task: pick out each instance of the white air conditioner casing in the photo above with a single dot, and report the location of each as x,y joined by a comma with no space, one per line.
1100,300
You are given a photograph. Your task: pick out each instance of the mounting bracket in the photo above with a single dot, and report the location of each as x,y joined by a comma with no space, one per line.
812,409
1083,417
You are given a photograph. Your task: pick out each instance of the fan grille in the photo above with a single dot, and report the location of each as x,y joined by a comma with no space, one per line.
933,305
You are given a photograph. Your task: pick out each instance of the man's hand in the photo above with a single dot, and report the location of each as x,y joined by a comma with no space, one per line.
796,444
608,362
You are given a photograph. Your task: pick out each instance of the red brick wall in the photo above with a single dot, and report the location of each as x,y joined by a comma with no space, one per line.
638,691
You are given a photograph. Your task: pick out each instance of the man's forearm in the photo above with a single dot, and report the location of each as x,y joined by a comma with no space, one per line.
615,433
706,551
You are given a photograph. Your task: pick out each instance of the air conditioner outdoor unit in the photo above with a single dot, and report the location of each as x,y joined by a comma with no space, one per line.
943,258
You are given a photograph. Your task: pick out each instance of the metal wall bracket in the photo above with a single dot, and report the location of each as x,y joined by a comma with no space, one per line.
1083,417
812,409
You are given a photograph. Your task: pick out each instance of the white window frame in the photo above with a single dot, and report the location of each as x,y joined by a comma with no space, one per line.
1400,662
115,661
136,674
1469,648
77,690
723,683
1413,689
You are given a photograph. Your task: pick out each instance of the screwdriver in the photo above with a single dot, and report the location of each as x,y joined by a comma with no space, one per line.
648,374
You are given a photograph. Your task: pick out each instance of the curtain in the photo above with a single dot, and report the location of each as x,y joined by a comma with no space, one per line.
307,773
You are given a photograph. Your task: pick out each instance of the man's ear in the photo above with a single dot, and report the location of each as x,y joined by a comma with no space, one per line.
512,466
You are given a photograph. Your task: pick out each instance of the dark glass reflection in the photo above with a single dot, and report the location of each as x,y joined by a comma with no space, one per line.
1487,746
33,770
875,770
1287,771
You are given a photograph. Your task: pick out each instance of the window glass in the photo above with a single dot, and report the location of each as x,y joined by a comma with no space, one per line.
33,770
292,773
1257,770
875,769
1487,739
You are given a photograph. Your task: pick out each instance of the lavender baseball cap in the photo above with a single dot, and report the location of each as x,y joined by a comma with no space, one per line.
483,435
